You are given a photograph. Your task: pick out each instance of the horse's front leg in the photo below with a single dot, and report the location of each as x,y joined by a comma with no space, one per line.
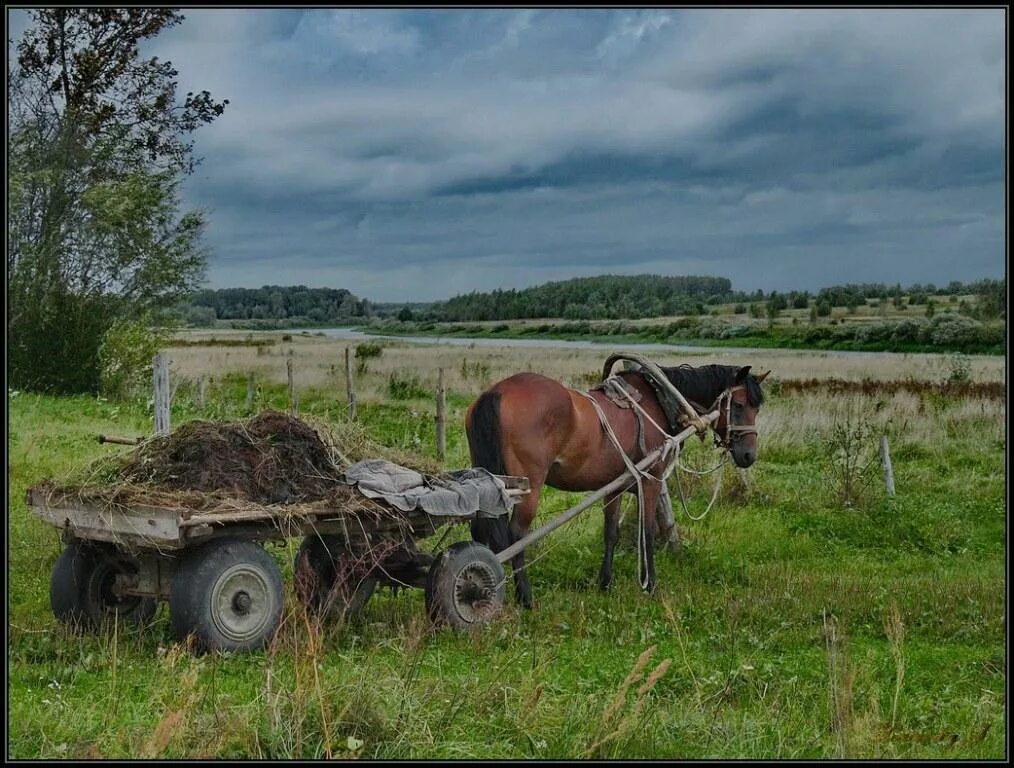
611,534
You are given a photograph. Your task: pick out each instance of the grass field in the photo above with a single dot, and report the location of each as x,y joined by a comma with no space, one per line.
788,626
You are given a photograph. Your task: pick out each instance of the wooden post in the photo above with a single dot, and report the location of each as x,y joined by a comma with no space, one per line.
201,383
885,457
249,391
292,390
349,385
441,416
160,366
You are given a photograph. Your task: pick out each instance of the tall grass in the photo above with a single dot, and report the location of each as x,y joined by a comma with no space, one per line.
785,627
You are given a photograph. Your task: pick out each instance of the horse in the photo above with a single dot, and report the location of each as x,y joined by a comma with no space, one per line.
534,426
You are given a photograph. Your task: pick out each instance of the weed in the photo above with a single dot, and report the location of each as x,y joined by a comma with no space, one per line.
850,453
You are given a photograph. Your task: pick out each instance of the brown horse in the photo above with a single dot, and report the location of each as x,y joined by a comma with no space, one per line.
534,426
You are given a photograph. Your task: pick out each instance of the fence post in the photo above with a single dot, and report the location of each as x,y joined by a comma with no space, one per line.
160,368
441,418
201,382
293,406
249,390
349,386
885,457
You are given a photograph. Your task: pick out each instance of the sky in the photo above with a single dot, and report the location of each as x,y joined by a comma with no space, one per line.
411,155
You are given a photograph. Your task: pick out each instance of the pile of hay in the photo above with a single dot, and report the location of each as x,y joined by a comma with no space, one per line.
271,459
268,460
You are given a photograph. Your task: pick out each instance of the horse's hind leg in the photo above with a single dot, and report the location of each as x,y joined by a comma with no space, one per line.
521,522
611,532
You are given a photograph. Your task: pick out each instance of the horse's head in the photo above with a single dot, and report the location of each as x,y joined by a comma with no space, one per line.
736,424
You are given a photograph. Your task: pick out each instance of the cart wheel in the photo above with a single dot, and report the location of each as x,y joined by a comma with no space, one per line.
228,595
465,586
326,580
82,589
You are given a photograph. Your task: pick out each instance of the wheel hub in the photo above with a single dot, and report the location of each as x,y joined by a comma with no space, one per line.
241,603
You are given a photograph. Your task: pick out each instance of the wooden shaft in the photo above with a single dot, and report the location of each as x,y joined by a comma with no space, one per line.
119,440
601,493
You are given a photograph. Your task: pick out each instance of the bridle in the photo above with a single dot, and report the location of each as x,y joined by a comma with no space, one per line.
733,432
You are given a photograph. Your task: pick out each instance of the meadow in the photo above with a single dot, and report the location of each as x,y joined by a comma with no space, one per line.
790,624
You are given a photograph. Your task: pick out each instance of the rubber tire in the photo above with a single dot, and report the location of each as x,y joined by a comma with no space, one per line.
463,559
78,589
196,596
324,556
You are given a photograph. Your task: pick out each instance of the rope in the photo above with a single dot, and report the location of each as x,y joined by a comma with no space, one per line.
727,397
638,475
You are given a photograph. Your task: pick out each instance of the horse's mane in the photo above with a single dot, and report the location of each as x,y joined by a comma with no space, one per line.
706,382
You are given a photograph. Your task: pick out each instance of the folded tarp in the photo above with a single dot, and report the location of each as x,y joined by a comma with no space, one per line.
461,493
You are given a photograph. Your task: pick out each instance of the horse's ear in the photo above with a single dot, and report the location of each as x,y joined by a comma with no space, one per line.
762,376
742,373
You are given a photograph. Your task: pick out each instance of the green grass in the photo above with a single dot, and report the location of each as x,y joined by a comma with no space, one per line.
767,637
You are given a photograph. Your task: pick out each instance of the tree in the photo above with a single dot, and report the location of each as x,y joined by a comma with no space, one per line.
97,147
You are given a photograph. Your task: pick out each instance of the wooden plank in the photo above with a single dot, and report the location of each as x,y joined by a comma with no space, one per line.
140,527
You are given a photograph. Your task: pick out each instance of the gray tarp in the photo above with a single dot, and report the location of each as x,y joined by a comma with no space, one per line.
462,493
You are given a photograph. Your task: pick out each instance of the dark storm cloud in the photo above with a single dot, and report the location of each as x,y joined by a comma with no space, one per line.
415,154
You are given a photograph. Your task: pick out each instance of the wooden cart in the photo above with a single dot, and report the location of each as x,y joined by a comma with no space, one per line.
225,591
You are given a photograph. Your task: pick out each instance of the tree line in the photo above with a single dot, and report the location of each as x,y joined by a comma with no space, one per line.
605,296
614,297
275,302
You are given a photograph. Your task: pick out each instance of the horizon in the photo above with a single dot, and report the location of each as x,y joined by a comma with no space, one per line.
415,155
906,287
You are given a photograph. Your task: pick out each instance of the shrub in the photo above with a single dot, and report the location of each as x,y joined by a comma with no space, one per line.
125,356
850,453
961,368
952,330
912,331
405,387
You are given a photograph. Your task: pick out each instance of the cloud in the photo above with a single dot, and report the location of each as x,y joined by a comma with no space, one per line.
780,148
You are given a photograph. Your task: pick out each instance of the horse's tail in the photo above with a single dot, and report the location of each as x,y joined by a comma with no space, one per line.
484,445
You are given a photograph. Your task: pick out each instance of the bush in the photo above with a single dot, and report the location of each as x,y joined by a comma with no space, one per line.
406,387
125,357
368,350
961,368
910,331
950,330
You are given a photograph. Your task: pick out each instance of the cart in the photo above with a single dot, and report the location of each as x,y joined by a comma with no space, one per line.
225,590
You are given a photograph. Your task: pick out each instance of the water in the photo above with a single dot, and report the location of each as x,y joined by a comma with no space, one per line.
352,334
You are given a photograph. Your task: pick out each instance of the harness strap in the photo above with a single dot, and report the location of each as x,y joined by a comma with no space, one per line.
638,476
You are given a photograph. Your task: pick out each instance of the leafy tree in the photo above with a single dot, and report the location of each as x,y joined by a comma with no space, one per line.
97,146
